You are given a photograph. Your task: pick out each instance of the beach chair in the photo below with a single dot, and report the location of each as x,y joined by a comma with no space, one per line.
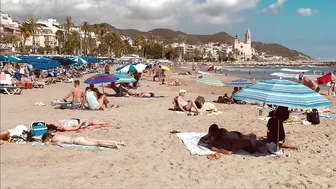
7,86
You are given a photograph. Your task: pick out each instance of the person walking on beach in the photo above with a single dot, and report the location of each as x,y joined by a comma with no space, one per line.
196,70
308,82
331,89
77,96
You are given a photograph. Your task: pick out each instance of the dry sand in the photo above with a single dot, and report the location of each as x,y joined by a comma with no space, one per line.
154,158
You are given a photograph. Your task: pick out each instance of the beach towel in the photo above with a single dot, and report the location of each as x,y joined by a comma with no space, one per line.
191,141
328,115
324,79
75,146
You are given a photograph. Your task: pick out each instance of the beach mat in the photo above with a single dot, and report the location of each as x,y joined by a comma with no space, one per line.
192,141
75,146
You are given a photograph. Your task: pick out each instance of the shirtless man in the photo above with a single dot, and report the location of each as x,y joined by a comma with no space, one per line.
186,105
77,96
308,82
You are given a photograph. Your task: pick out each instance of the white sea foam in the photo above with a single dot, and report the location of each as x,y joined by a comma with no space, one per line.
292,70
292,76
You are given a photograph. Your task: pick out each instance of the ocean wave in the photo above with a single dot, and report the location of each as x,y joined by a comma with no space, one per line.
292,70
292,76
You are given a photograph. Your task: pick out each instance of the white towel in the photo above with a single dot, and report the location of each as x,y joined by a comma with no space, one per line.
191,141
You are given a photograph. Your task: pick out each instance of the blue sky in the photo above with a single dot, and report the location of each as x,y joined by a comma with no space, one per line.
312,32
314,35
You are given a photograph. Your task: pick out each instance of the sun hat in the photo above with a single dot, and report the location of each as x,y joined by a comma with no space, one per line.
182,91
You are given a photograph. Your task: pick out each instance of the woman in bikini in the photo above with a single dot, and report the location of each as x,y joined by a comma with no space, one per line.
73,124
58,139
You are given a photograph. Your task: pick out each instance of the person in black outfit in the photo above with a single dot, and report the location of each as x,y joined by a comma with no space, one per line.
222,141
277,117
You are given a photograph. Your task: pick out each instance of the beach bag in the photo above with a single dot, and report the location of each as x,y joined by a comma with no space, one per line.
200,100
313,117
37,129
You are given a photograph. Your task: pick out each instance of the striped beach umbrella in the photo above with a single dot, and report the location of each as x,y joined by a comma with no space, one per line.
239,83
210,81
101,78
124,78
283,93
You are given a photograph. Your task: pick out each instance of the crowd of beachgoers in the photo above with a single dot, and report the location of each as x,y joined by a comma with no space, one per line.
219,139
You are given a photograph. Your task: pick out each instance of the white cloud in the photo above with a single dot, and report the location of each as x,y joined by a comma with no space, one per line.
139,14
275,7
307,11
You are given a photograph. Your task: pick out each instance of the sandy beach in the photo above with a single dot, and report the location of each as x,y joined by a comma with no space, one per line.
154,158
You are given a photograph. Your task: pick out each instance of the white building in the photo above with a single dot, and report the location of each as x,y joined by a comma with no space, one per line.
46,35
243,48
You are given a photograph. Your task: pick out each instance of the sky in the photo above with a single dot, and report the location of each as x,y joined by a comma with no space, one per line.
308,26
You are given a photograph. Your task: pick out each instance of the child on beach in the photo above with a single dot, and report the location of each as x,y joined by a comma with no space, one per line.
58,139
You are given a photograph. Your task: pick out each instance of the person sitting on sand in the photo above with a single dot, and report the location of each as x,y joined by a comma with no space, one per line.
149,95
94,89
309,83
224,99
94,102
73,124
222,141
121,89
58,139
186,105
78,96
275,128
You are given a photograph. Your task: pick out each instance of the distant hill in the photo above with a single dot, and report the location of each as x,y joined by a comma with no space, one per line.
170,36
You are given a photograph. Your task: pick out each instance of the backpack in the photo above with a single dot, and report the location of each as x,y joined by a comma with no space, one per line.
313,117
200,100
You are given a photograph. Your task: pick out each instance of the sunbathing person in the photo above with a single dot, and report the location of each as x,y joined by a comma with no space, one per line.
185,73
186,105
73,124
175,83
78,96
58,139
148,95
222,141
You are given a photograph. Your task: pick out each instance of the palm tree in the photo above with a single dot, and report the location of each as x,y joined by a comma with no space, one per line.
60,39
74,42
68,25
101,30
25,32
34,28
140,43
86,28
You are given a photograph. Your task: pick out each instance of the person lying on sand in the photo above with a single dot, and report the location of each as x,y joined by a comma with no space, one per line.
121,89
78,96
185,73
186,105
19,131
73,124
58,139
222,141
148,95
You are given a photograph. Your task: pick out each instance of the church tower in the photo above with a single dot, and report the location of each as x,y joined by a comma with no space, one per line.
248,39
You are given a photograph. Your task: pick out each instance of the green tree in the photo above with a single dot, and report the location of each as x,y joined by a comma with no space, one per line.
34,28
60,39
25,33
86,28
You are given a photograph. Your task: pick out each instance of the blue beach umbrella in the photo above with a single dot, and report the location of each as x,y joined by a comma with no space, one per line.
78,60
101,78
283,93
239,83
3,58
13,59
210,81
47,65
124,78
